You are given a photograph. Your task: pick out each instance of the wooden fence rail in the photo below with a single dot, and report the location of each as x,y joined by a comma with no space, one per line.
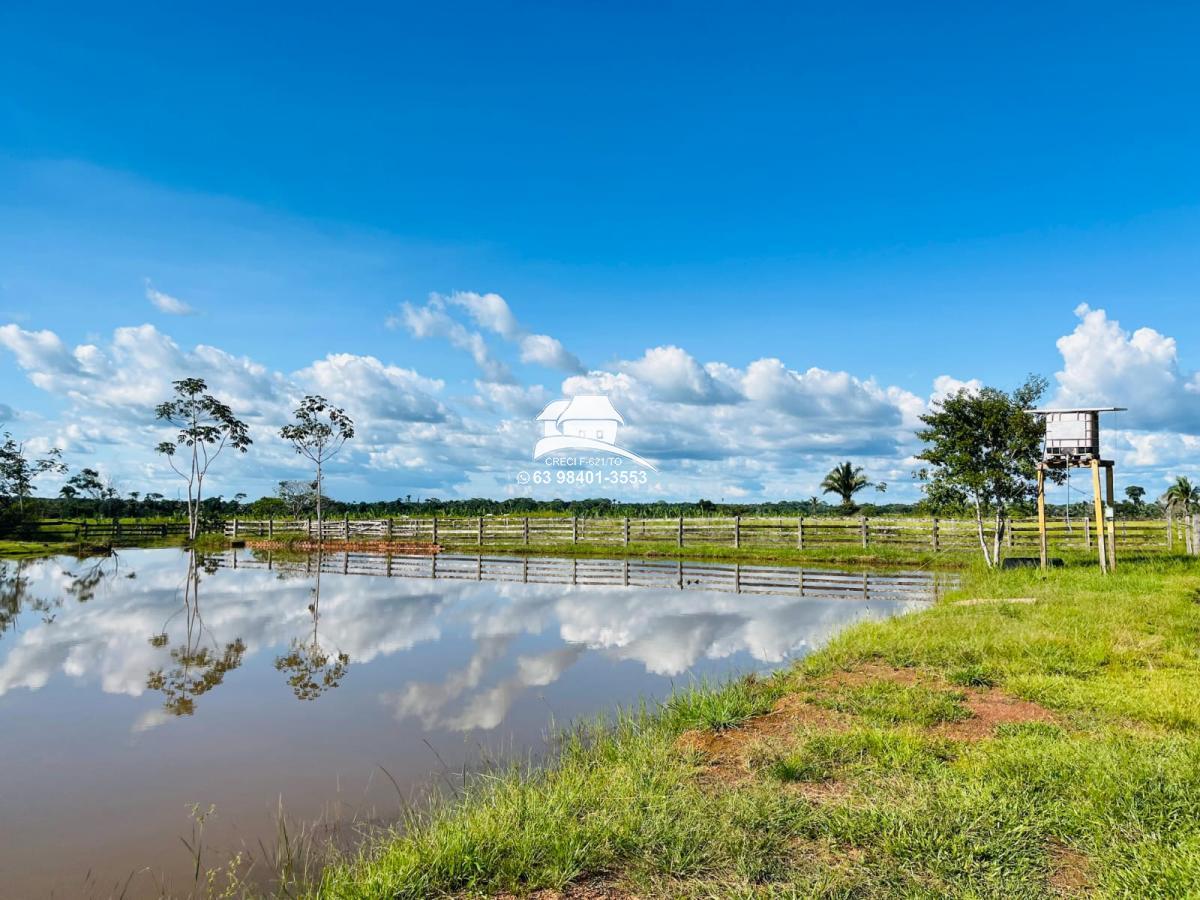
935,535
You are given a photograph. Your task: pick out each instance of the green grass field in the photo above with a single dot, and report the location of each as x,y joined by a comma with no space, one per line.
987,750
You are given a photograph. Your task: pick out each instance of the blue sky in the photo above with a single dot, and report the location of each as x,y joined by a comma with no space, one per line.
893,194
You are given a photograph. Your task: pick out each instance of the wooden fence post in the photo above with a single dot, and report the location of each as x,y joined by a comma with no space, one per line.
574,529
308,528
526,528
679,540
866,533
346,526
235,526
800,532
737,532
387,530
435,534
625,532
1087,532
479,530
271,525
1098,499
934,535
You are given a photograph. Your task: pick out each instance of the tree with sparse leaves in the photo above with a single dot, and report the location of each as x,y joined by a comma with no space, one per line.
298,496
19,470
206,427
85,483
983,448
319,431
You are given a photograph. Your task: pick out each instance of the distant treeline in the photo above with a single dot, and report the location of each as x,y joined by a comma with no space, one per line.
155,506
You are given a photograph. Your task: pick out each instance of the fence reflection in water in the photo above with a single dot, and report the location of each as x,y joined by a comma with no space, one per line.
641,573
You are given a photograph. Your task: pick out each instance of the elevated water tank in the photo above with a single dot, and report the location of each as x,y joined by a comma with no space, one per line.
1073,435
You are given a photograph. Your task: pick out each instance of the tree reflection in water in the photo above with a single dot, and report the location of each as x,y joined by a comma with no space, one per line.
84,583
312,670
197,666
13,585
82,587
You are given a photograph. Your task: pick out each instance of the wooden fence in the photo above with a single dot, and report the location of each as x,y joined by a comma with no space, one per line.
915,534
733,578
68,529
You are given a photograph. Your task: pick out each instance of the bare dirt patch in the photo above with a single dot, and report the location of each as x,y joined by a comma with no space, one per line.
990,708
868,672
729,754
1070,872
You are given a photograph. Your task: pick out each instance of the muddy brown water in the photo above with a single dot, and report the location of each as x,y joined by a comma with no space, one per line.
135,688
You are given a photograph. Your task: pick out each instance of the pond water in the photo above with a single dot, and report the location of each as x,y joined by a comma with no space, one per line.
136,686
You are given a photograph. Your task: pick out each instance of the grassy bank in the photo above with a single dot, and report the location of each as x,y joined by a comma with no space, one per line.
23,549
982,750
14,549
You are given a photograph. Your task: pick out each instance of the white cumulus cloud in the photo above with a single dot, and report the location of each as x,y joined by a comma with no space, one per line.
1106,365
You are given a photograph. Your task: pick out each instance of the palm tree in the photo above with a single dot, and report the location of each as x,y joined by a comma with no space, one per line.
845,480
1182,496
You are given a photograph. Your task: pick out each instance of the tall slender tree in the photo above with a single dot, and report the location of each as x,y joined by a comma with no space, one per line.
206,427
845,480
319,431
